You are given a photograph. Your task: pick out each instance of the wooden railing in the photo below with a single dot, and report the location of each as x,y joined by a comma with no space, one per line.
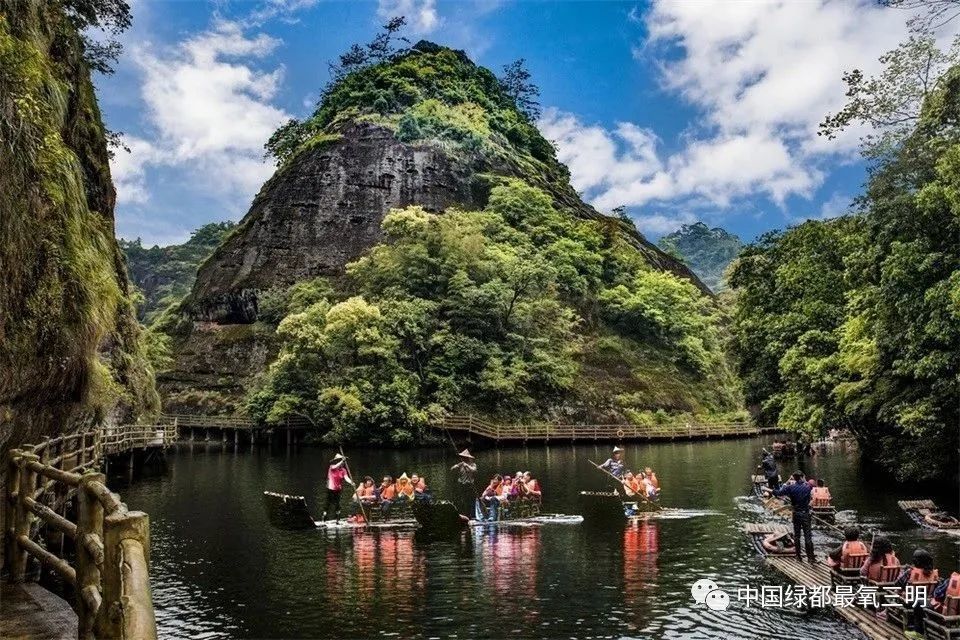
104,548
493,431
240,422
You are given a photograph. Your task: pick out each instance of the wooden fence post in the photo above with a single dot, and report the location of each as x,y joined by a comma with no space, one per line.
24,517
10,506
127,611
89,555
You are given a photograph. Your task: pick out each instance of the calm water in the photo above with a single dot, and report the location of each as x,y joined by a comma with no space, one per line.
221,571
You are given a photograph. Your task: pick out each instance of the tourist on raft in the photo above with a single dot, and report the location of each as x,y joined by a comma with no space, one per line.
336,476
531,486
852,546
614,465
420,490
769,467
799,492
387,493
367,492
404,488
652,477
881,555
490,498
820,495
921,574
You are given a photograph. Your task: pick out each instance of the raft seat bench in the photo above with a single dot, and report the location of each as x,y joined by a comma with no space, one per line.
943,625
902,615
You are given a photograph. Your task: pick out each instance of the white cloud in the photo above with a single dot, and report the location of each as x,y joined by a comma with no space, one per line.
422,16
210,111
761,75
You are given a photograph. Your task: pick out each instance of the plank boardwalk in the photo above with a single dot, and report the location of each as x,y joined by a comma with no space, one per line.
811,575
30,612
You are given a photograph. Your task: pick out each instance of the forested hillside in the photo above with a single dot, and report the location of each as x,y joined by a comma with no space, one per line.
461,273
855,322
707,251
164,275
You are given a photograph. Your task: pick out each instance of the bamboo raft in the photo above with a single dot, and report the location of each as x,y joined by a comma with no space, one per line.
757,531
290,512
818,575
441,519
918,509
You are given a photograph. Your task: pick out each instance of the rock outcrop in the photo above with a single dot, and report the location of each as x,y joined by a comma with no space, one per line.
320,212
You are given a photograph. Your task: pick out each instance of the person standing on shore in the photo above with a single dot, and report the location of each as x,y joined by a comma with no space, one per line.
336,476
466,491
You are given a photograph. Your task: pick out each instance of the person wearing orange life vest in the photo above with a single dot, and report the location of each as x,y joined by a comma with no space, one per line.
921,574
652,477
947,591
820,494
852,546
881,555
404,488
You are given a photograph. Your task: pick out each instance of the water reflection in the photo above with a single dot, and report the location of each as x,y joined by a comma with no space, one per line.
509,566
547,582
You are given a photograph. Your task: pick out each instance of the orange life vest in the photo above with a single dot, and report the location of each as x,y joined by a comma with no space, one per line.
876,569
366,492
821,496
389,492
917,576
852,548
953,587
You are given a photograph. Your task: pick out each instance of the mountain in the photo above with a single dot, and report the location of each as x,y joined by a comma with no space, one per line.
422,231
71,350
165,275
708,252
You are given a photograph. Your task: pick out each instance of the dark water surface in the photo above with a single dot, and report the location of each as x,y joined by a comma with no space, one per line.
219,570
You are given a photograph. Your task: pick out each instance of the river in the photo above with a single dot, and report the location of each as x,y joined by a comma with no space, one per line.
219,570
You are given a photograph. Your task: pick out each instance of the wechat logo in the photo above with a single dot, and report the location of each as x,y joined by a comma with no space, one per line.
706,591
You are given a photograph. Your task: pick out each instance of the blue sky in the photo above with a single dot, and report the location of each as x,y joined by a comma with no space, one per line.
680,111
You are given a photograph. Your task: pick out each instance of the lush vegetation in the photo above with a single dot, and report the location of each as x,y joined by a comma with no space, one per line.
707,251
70,347
433,94
164,275
856,322
508,312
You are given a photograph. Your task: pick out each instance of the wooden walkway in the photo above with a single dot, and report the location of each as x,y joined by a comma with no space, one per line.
61,517
818,575
614,432
29,611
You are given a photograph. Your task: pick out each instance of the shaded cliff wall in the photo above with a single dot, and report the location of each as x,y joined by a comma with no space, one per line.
70,347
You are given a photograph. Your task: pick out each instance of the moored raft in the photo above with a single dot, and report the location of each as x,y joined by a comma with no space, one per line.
927,514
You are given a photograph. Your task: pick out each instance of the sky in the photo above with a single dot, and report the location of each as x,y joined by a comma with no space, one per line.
679,111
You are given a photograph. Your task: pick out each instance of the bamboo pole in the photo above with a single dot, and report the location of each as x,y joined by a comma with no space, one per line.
10,506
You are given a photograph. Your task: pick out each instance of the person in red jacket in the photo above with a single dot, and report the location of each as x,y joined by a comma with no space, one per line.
336,476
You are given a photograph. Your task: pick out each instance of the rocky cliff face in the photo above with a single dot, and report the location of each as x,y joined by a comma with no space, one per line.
70,348
321,212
